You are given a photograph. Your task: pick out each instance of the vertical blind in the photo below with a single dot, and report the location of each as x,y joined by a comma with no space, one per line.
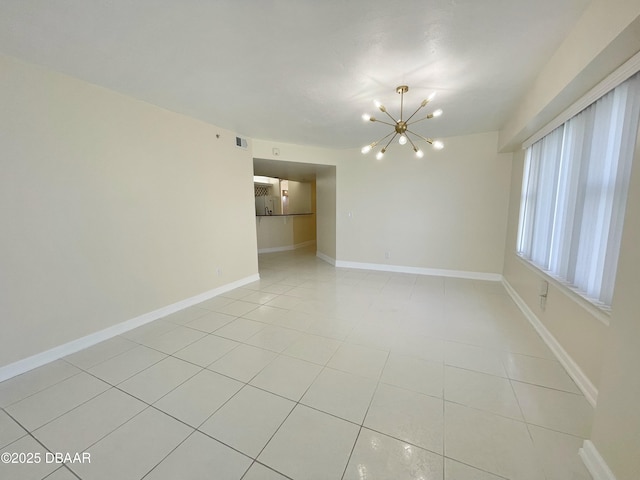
574,193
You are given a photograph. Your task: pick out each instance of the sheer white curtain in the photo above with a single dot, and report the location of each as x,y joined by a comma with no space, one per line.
574,193
543,159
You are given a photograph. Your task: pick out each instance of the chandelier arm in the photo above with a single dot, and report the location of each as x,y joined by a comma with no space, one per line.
395,134
389,115
417,110
420,119
401,103
415,149
428,140
386,123
384,138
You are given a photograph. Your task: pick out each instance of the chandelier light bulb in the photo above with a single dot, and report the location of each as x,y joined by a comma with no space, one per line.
432,96
366,117
402,140
438,145
366,149
379,106
437,113
379,155
419,153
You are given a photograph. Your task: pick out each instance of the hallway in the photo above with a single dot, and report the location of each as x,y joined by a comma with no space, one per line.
313,372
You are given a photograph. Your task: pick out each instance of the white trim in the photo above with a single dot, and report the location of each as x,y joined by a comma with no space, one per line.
276,249
575,372
622,73
494,277
287,248
326,258
594,462
305,244
39,359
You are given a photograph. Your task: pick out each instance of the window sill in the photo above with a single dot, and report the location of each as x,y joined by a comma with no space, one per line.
598,310
282,214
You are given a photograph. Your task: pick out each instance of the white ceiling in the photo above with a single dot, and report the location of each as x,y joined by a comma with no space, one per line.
299,71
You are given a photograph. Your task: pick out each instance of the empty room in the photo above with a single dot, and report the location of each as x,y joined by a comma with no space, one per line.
271,240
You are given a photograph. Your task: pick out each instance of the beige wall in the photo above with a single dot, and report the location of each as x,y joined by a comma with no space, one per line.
299,197
605,37
326,233
580,333
417,219
110,208
447,210
274,232
289,152
616,428
304,226
304,230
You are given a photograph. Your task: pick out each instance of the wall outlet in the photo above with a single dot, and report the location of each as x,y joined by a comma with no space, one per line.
387,254
218,271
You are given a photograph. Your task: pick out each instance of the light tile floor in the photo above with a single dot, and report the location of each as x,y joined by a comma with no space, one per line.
310,373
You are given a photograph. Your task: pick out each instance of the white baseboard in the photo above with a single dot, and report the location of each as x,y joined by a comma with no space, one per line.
575,372
594,462
287,248
326,258
39,359
494,277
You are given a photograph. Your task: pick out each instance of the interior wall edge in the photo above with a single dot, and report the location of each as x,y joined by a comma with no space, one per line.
42,358
326,258
583,382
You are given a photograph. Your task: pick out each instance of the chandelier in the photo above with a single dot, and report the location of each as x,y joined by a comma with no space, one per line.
401,127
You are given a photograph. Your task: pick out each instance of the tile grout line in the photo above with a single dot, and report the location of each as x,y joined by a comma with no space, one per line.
299,277
353,447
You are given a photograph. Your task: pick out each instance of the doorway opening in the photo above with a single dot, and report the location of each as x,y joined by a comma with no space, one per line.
295,207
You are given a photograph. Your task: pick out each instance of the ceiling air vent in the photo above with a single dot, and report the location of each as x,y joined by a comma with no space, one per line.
241,142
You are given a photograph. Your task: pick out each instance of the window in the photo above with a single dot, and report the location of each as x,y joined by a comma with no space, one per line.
574,193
